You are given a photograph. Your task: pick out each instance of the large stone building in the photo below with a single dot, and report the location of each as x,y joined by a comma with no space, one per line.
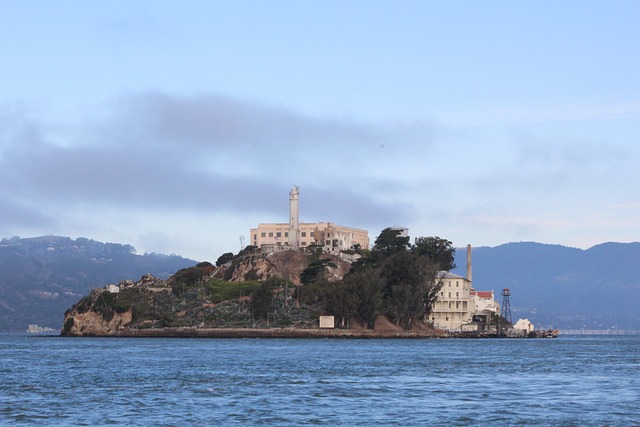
458,304
452,309
294,234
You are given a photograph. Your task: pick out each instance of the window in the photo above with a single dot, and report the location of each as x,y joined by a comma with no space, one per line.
304,234
304,243
263,234
286,234
278,234
449,294
456,283
255,236
271,234
457,295
311,234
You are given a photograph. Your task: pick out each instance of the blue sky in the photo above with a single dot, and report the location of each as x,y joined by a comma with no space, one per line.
177,126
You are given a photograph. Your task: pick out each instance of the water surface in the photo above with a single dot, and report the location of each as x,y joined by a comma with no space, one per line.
569,381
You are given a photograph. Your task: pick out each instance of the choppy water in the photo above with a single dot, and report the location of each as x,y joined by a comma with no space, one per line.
569,381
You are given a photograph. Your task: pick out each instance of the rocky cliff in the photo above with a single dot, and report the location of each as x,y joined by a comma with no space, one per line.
286,264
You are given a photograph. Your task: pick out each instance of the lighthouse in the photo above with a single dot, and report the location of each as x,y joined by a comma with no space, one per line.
294,227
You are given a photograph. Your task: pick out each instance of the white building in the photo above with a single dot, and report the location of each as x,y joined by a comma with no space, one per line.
452,309
458,304
524,326
331,237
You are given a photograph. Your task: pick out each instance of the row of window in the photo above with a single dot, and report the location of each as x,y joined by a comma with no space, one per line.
279,234
457,294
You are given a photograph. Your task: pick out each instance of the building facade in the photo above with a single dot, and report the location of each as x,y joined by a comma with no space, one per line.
331,237
452,309
459,306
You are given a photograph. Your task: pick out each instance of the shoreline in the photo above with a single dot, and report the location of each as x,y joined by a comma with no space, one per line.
187,332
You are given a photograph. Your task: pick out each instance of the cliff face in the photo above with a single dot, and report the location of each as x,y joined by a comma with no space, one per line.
286,264
92,323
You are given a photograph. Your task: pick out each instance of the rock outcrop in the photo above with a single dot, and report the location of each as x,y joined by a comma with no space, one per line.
285,264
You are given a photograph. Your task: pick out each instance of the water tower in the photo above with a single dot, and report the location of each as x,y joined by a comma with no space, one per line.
505,311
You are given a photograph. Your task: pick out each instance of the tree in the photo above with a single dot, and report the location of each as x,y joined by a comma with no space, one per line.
340,301
390,242
224,258
315,271
437,250
366,286
409,281
262,300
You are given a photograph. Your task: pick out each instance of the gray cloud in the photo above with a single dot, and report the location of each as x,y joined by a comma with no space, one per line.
206,153
18,215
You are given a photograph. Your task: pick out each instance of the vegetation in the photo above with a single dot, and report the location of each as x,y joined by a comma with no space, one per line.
395,278
43,276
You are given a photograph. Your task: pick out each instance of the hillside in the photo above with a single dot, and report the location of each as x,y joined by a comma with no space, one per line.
43,276
569,288
204,296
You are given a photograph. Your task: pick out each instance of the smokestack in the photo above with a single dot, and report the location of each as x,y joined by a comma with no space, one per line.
469,262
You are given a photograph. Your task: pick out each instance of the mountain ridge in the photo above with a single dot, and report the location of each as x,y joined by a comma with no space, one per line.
560,286
40,277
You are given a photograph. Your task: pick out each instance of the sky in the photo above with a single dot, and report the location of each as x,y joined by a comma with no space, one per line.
176,127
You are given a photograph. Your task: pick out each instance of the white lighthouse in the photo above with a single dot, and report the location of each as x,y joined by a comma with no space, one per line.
294,225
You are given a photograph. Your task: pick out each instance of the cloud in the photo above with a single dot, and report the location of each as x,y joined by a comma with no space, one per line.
208,154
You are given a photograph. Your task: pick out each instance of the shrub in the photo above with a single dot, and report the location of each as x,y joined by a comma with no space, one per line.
68,324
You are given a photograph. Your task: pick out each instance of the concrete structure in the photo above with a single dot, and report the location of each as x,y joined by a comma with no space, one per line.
524,326
484,302
294,196
114,289
331,237
459,307
327,322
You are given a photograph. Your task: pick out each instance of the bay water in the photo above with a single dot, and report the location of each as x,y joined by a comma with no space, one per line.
568,381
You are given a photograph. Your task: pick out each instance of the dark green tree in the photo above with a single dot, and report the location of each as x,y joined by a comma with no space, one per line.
262,300
409,281
315,271
340,301
224,258
437,250
389,242
366,285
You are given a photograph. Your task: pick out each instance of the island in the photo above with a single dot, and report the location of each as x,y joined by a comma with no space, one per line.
394,290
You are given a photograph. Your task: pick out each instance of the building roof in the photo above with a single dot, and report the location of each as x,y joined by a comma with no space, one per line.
482,294
448,275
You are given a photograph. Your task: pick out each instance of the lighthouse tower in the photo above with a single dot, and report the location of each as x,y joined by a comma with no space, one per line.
294,228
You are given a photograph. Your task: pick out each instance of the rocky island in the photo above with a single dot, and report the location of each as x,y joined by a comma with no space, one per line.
379,293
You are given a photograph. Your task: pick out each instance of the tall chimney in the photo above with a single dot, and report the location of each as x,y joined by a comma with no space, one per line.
469,262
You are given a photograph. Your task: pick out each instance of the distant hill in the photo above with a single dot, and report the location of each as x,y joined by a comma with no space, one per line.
41,277
563,287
